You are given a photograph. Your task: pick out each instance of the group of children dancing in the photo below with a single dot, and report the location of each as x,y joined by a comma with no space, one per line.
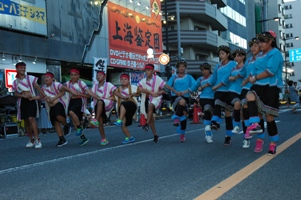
246,89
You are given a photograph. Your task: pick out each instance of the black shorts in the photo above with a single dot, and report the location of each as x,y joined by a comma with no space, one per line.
223,97
204,102
28,108
267,99
130,108
57,110
75,106
234,97
243,93
103,114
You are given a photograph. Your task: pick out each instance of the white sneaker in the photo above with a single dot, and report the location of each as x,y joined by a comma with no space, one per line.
30,144
235,130
246,144
208,139
38,144
208,128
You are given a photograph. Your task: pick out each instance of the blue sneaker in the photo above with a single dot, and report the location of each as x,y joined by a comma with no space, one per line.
118,122
83,142
128,140
79,132
132,139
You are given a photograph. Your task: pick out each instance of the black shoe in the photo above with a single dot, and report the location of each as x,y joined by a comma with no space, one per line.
61,143
156,138
227,140
215,125
145,127
67,130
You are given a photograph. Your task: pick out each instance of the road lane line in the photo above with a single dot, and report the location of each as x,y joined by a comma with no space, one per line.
218,190
14,169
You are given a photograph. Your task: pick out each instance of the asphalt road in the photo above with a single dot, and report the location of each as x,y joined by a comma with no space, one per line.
147,170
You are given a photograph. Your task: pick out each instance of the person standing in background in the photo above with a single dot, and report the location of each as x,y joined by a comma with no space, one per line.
43,123
293,93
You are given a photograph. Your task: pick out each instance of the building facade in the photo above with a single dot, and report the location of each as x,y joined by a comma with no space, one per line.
193,30
54,35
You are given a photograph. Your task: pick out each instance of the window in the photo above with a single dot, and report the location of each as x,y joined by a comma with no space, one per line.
288,35
237,40
289,16
279,8
200,57
288,7
232,14
289,26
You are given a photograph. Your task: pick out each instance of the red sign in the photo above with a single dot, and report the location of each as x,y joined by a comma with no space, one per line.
10,76
131,34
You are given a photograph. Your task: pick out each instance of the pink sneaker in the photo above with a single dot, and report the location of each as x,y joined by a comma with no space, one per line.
258,146
254,129
182,138
176,122
247,135
272,149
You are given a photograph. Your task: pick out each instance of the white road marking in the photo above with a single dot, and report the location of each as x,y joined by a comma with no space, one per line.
14,169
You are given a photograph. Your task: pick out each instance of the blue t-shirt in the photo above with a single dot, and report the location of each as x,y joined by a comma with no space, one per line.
271,63
181,83
235,86
221,74
246,71
207,93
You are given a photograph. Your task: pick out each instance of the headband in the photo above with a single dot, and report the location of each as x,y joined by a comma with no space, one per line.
253,41
49,74
239,52
74,71
101,72
224,48
19,64
205,66
124,76
149,66
181,62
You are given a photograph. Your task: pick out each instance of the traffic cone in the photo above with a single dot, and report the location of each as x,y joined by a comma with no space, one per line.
142,120
196,110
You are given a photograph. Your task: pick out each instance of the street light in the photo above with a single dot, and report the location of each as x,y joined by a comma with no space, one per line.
259,23
285,60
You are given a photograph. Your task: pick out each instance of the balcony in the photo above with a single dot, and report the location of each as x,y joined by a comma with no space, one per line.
219,3
201,38
201,11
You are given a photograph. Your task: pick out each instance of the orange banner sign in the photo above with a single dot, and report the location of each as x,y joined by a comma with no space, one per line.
131,34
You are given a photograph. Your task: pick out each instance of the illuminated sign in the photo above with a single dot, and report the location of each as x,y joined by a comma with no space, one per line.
130,35
24,16
295,55
10,76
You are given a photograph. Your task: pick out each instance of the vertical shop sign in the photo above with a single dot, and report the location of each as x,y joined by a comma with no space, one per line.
100,64
131,34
